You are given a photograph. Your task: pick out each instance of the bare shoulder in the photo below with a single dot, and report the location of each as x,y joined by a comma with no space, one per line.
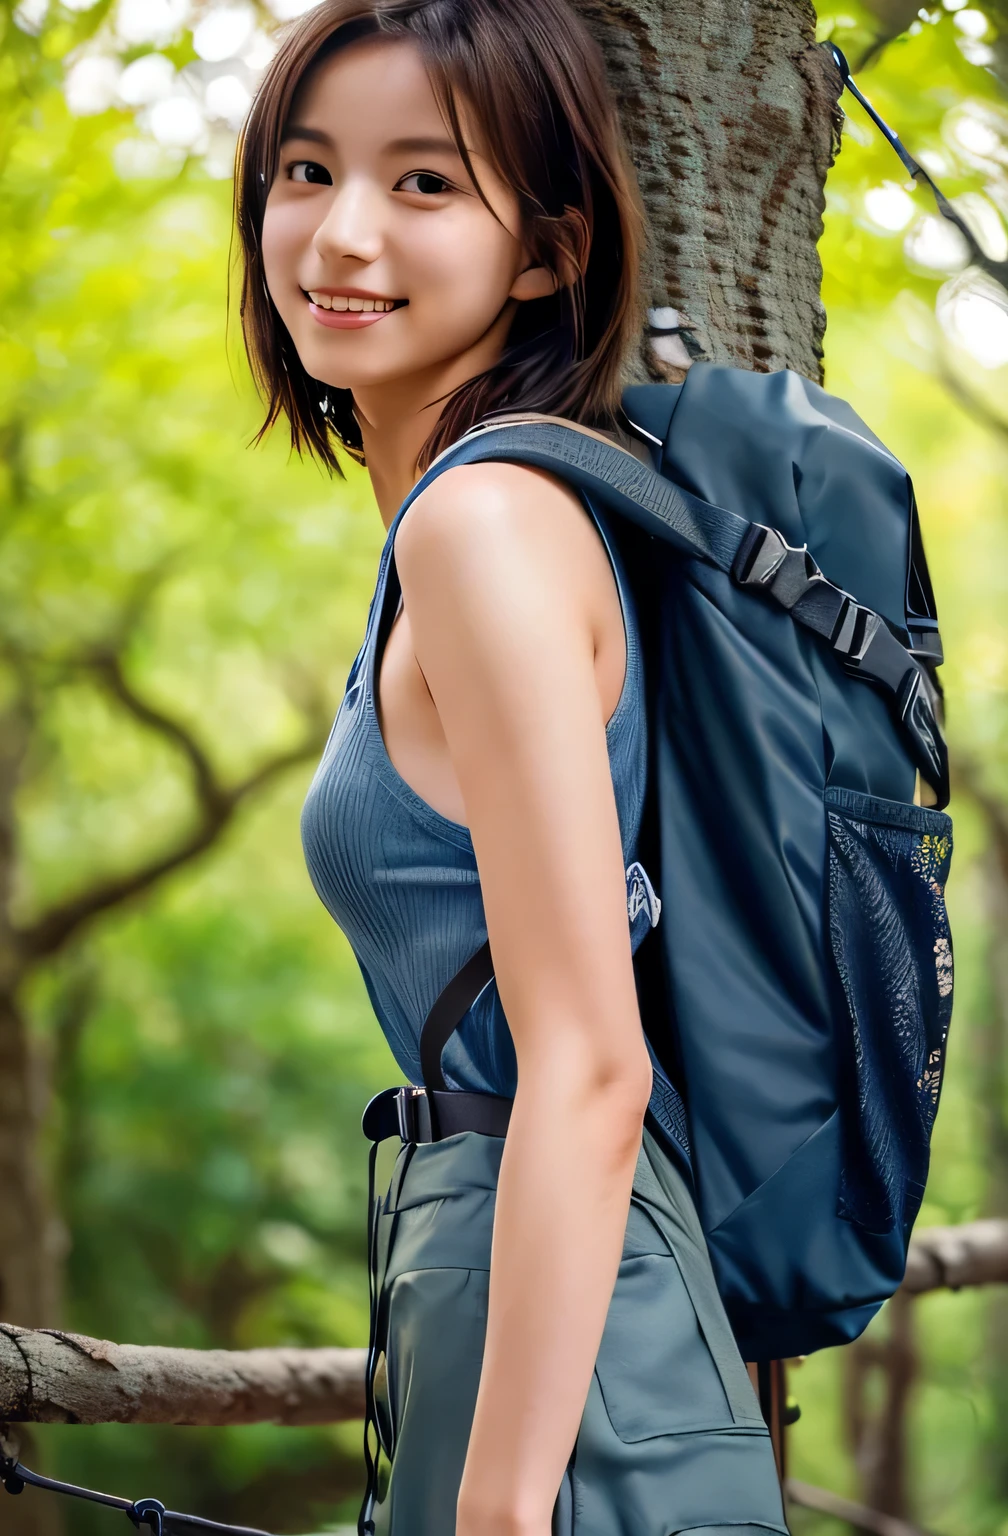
498,518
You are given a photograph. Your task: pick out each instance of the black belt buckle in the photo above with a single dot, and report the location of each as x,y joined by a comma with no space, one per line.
406,1110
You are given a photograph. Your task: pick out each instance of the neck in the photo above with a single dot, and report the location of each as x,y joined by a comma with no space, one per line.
397,417
395,422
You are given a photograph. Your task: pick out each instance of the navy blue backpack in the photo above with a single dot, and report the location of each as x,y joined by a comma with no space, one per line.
797,990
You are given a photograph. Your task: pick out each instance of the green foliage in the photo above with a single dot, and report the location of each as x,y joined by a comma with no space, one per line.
212,1045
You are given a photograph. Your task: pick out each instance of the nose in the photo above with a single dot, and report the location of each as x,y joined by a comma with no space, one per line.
352,227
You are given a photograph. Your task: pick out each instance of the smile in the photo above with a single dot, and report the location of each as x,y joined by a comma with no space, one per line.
342,304
349,312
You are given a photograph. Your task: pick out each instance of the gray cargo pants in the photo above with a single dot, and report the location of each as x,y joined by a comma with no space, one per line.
671,1439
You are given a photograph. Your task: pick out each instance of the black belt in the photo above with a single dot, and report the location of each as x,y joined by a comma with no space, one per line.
419,1114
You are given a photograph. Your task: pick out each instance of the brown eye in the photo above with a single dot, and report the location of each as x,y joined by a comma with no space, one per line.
310,170
424,181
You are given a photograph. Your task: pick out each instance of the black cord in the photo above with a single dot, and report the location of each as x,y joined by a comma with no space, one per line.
997,269
15,1477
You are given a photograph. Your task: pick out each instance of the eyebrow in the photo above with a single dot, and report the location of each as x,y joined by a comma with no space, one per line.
313,135
417,146
421,146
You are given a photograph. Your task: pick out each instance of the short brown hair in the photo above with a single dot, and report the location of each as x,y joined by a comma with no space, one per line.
536,82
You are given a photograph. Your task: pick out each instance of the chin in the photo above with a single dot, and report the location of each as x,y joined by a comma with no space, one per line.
354,378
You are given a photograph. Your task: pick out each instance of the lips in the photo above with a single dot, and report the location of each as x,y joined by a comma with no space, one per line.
349,311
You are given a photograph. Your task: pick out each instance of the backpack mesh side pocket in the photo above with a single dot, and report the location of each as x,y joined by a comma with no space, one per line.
889,932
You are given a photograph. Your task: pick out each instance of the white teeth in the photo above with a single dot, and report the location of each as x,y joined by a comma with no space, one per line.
341,304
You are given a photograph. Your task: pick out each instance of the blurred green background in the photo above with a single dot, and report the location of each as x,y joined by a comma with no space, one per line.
210,1043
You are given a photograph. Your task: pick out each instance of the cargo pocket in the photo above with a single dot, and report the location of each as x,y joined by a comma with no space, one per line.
655,1370
889,933
434,1355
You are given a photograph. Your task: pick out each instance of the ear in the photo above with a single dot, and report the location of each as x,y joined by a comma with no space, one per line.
534,283
569,239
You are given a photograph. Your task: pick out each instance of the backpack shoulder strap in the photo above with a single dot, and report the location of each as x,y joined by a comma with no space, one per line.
593,464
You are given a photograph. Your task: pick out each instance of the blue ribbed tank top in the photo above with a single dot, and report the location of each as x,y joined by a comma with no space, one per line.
401,879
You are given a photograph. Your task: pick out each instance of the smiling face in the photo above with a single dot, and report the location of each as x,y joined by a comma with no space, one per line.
384,263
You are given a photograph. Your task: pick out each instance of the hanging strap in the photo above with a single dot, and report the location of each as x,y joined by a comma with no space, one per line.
450,1008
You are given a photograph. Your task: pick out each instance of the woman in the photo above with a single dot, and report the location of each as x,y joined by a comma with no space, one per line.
439,223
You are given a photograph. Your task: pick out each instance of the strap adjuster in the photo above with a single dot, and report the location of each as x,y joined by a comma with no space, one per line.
765,559
866,644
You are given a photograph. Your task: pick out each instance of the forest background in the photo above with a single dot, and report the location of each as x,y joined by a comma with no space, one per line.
178,612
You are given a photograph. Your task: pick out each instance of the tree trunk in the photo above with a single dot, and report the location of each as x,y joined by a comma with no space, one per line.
28,1264
877,1436
27,1293
731,114
30,1247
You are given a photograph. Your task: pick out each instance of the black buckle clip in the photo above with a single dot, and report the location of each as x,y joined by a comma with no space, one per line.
404,1112
860,637
408,1112
765,559
866,644
149,1512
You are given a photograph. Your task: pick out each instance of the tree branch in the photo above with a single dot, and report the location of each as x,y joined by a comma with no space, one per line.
893,16
107,666
216,801
858,1515
972,404
50,932
947,1258
62,1378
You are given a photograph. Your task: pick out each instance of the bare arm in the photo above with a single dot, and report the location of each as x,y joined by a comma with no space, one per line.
498,591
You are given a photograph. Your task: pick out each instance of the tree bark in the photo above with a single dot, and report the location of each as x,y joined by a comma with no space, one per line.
731,115
50,1377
